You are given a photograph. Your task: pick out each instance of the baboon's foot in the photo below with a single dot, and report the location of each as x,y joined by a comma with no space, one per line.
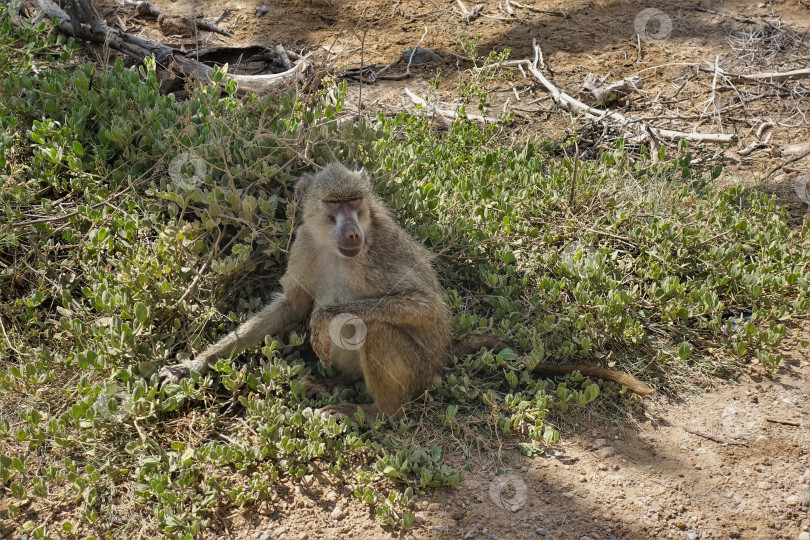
340,411
313,386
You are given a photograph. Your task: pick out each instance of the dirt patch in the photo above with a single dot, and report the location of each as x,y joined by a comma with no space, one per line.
728,463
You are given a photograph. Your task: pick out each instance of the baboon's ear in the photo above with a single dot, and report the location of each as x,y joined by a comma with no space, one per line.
364,175
301,187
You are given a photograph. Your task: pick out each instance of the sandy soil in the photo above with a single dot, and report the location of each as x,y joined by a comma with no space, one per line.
732,462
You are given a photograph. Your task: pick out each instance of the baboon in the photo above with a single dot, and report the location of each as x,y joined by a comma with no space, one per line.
377,308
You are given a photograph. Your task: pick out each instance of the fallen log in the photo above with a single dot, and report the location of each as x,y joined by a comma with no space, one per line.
139,48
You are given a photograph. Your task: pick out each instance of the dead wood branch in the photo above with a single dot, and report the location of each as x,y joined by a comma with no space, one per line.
608,93
444,112
637,130
148,8
469,16
771,77
139,48
283,57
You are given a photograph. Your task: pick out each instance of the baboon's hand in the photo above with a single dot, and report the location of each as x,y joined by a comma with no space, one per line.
174,374
320,339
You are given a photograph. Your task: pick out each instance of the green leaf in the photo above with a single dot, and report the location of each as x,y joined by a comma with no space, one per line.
141,312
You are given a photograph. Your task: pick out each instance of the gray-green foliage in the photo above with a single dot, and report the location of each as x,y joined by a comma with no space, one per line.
110,266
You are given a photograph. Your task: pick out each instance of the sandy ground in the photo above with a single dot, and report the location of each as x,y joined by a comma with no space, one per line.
731,462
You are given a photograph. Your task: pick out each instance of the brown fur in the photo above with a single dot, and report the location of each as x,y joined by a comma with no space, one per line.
389,284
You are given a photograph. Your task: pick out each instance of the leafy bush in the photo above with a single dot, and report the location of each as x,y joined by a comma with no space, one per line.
136,229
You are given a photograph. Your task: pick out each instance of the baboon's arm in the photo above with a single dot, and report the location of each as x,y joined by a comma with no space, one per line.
274,318
409,308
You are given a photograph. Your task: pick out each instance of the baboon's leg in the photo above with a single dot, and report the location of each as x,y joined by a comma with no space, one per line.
394,367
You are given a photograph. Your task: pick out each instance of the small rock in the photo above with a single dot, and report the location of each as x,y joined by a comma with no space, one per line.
470,535
261,10
734,533
307,480
419,55
763,485
692,536
337,513
599,443
419,518
803,536
585,538
265,536
278,532
332,497
303,536
480,526
438,528
492,537
804,497
540,531
606,452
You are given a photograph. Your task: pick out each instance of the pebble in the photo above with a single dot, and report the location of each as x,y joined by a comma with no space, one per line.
265,536
332,496
303,536
803,536
606,452
805,497
337,513
470,535
599,443
438,528
492,537
763,485
692,536
480,526
278,532
541,531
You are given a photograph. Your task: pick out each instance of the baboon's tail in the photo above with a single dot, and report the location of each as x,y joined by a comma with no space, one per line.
474,343
634,385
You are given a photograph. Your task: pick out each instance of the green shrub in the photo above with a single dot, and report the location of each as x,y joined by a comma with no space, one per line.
136,229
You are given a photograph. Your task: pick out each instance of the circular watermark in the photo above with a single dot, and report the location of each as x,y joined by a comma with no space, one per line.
187,170
508,492
802,186
112,405
348,331
653,25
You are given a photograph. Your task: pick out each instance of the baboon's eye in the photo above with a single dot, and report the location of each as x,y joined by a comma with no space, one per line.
332,219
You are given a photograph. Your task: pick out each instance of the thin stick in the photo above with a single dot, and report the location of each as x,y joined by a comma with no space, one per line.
413,51
784,422
715,438
574,175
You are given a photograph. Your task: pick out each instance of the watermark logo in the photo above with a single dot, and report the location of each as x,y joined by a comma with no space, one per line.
187,170
112,405
802,186
653,25
508,492
348,331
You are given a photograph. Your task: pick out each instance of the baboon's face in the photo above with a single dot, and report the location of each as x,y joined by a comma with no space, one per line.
347,220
